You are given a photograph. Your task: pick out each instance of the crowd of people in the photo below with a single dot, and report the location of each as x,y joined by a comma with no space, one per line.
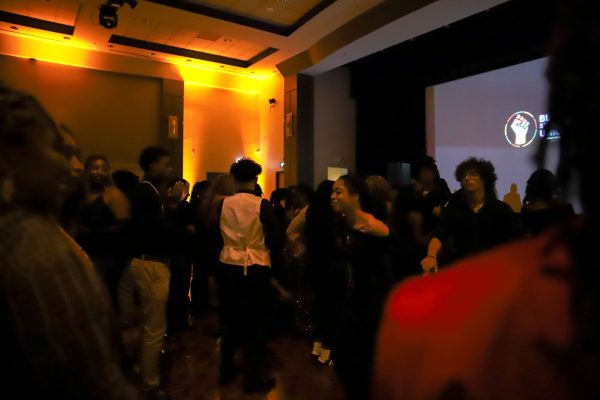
408,292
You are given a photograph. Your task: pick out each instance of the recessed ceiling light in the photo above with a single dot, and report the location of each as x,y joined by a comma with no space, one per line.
14,28
152,53
66,38
221,66
270,9
189,60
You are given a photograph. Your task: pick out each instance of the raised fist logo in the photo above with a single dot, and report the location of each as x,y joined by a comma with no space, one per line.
520,126
520,129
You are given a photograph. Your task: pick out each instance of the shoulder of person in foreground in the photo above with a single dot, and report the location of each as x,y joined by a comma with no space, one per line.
444,328
58,314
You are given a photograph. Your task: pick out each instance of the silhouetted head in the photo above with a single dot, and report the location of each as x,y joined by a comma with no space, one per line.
126,181
427,170
245,173
542,185
155,161
34,172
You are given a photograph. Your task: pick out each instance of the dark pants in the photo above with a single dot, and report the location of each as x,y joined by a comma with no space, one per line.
354,343
203,269
244,312
353,351
179,301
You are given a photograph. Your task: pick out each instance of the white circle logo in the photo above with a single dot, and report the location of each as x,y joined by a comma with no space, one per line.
520,129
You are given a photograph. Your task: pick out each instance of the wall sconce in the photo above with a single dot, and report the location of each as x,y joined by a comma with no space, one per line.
272,103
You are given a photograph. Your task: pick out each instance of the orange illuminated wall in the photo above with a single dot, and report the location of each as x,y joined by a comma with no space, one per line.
221,125
113,104
109,113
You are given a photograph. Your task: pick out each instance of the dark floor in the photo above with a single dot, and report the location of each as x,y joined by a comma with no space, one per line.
191,365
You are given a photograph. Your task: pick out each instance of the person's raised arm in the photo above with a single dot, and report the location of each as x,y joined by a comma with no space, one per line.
295,232
368,224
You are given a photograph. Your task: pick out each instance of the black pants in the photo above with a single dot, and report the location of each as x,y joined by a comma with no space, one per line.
244,302
179,302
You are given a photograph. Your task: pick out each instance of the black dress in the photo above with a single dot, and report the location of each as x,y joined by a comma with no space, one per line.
99,236
369,279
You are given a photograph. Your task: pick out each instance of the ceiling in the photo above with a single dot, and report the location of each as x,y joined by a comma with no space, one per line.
250,37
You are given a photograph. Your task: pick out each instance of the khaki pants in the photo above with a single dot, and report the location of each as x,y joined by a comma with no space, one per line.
150,279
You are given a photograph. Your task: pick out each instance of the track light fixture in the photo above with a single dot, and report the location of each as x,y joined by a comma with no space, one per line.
108,17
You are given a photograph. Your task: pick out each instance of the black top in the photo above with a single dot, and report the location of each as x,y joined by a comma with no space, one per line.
471,232
179,219
97,233
370,272
537,220
427,201
148,230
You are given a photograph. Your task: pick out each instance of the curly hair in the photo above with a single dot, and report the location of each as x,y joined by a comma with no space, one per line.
484,168
245,170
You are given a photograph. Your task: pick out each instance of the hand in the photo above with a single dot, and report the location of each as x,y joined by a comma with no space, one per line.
520,126
429,265
285,296
179,191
